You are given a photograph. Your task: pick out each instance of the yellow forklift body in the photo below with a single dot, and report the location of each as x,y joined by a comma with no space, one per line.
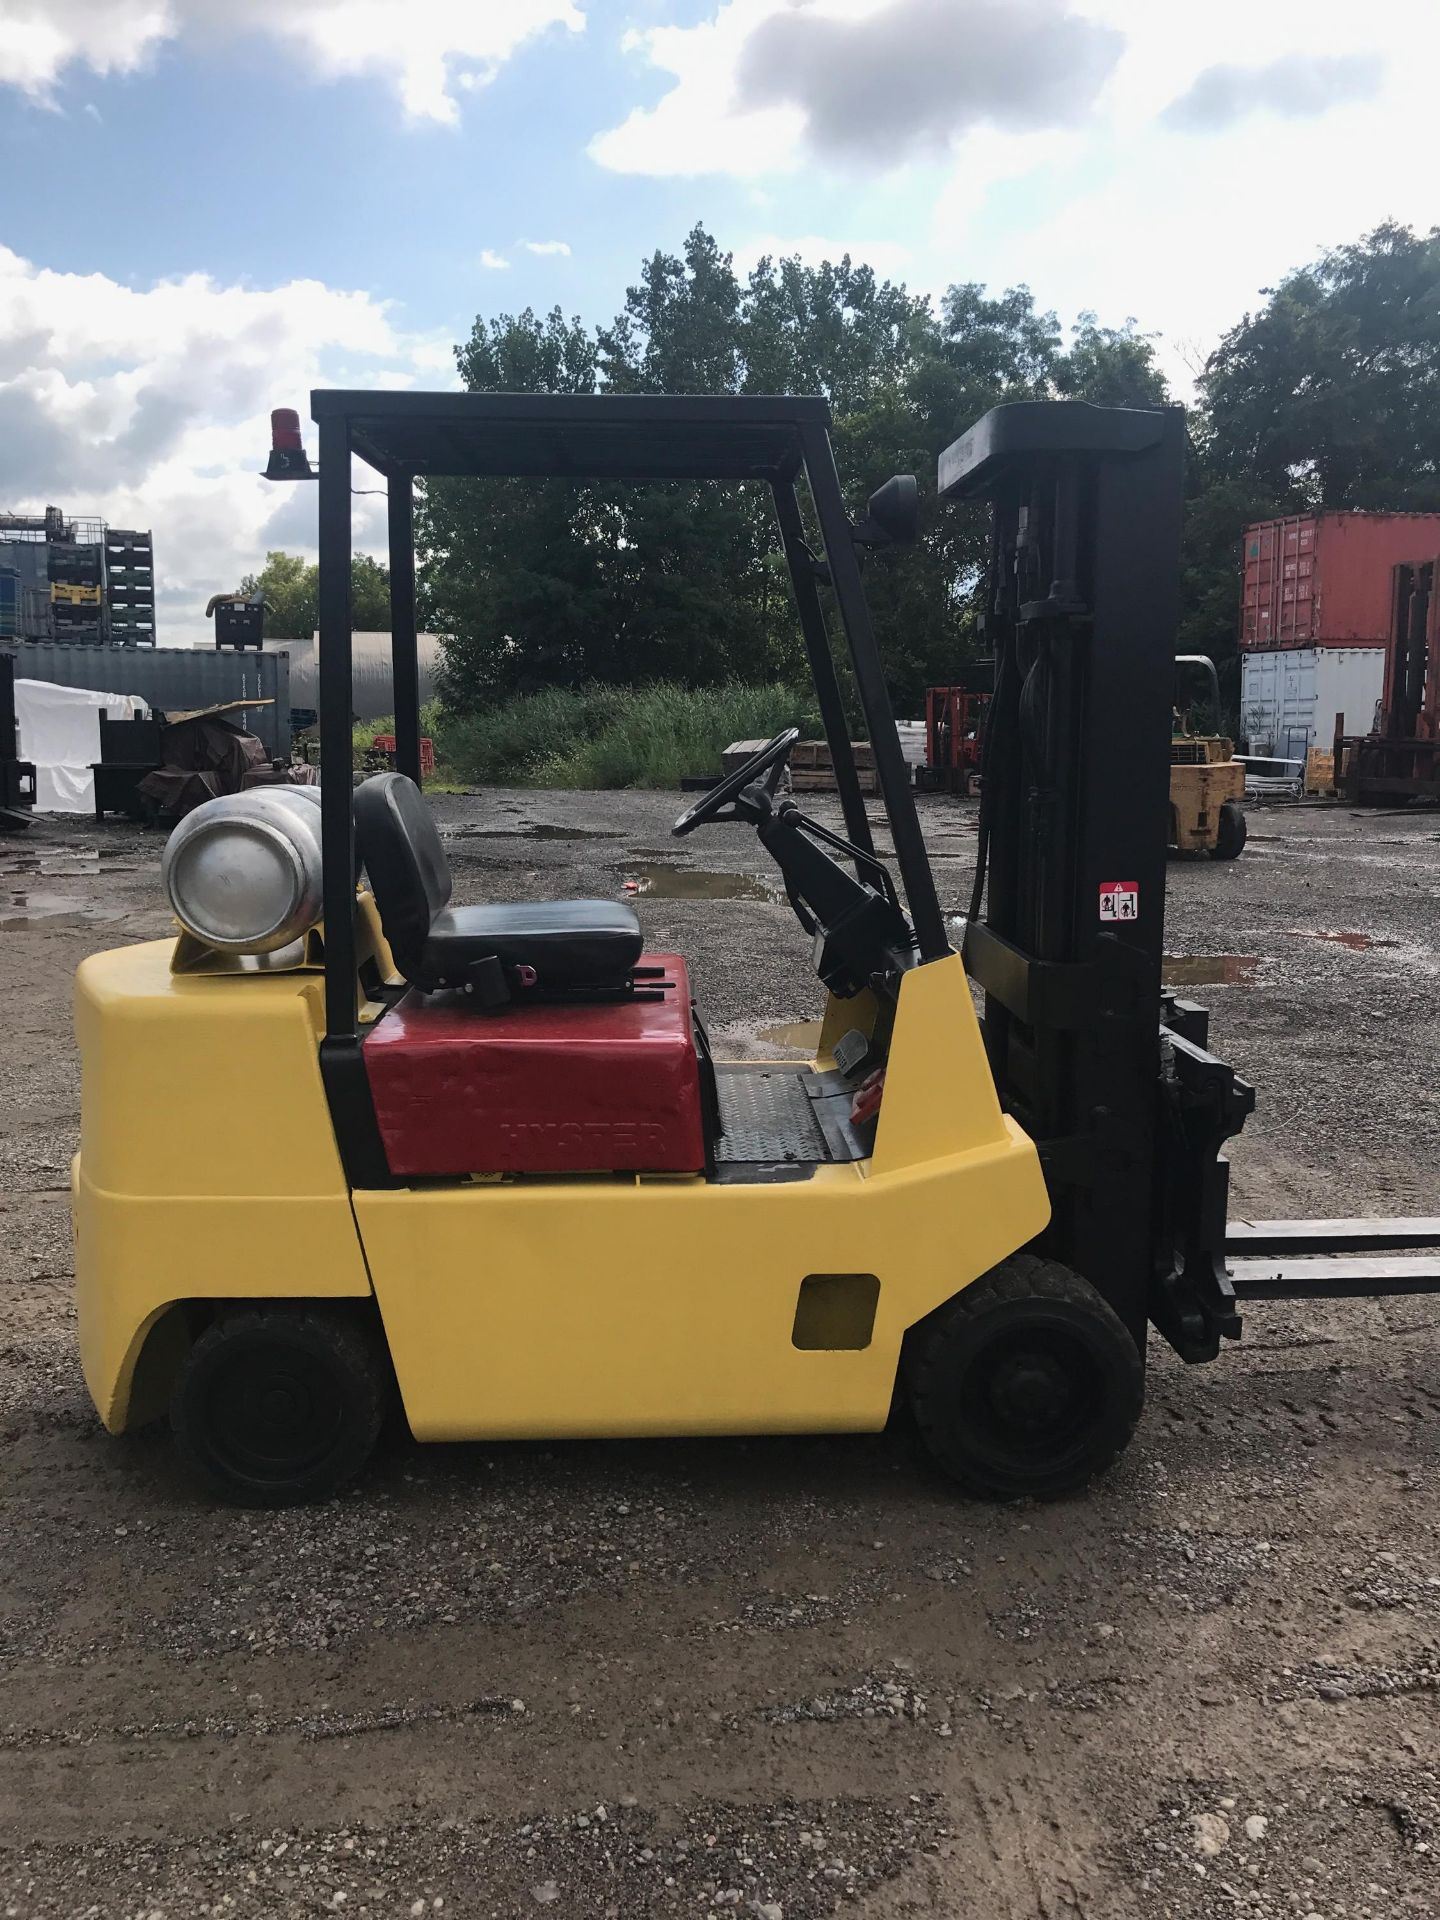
539,1306
1199,787
207,1167
669,1305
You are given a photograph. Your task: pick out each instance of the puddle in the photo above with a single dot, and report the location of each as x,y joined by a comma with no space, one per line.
24,912
660,881
75,863
1209,969
804,1034
1355,942
538,832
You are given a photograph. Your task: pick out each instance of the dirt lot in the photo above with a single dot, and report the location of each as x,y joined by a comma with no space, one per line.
779,1679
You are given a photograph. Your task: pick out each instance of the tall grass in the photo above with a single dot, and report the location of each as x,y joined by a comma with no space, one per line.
612,736
505,745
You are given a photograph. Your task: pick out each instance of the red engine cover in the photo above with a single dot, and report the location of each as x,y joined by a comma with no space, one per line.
608,1087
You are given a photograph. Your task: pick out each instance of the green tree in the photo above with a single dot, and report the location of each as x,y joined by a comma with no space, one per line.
544,584
1328,397
291,589
988,350
679,330
514,572
1109,366
369,594
696,571
292,595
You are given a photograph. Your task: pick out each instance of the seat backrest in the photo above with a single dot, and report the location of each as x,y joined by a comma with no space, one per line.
398,840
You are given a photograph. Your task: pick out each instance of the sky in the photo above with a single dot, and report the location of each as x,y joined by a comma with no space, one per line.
209,207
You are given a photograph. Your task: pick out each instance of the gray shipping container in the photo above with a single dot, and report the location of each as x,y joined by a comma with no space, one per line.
175,679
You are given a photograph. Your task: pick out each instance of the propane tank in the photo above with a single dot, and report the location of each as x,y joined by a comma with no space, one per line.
243,872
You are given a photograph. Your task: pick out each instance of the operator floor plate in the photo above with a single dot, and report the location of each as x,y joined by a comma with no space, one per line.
767,1115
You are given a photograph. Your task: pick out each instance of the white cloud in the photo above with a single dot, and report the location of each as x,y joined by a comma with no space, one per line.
1297,86
717,116
1168,48
696,127
150,407
42,37
560,248
427,49
914,75
1184,230
984,162
494,262
1122,211
760,83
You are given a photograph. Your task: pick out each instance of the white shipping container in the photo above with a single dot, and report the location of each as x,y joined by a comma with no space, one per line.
1289,698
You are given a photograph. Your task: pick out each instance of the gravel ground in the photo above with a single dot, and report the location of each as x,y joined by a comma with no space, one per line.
784,1679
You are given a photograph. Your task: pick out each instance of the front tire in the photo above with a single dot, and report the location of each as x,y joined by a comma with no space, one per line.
1230,832
275,1406
1025,1384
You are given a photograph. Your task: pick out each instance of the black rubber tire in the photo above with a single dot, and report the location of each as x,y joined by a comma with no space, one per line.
275,1406
1027,1384
1231,831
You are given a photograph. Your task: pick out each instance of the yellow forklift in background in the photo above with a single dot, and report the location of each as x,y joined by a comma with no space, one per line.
1207,782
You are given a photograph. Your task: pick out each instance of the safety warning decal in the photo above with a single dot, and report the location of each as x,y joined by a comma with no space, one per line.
1119,900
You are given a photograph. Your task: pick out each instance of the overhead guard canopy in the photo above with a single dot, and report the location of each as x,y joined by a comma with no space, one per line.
578,436
1023,429
773,440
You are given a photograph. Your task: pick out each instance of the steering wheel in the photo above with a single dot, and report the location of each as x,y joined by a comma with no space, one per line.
719,802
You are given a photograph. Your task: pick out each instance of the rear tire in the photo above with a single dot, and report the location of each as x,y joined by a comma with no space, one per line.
275,1406
1230,834
1025,1384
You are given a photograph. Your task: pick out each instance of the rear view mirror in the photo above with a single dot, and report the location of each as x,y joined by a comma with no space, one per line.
892,517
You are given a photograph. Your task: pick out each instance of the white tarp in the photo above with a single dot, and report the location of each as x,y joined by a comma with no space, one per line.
60,733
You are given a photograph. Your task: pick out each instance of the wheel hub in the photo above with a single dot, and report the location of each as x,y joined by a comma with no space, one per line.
274,1414
282,1407
1029,1391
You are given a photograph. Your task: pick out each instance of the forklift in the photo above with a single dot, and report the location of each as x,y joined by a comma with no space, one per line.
17,776
517,1196
954,740
1399,759
1207,782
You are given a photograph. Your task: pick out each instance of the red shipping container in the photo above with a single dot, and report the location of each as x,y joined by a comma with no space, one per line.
1323,579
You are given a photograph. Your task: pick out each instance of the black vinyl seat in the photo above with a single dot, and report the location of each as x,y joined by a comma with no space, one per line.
556,946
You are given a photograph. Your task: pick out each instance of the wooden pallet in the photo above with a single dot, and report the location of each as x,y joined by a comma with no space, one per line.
811,769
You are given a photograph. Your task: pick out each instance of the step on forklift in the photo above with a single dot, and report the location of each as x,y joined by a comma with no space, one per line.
499,1177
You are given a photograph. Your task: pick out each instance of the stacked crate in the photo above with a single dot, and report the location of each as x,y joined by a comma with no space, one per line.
74,568
130,586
